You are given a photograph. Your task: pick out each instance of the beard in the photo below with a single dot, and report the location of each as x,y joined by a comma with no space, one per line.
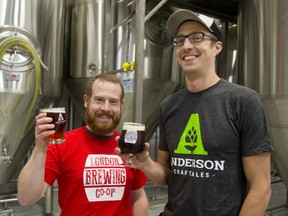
100,128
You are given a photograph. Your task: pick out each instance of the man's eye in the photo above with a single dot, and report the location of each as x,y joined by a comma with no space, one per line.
196,37
180,40
99,100
114,102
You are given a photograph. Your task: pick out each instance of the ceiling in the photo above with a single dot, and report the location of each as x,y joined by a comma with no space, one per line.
226,10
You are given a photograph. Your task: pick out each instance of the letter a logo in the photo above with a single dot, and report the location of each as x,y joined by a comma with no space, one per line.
191,140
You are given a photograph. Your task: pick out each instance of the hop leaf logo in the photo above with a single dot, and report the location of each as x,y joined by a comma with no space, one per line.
191,140
191,136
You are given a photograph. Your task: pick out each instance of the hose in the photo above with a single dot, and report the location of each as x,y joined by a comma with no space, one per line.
4,45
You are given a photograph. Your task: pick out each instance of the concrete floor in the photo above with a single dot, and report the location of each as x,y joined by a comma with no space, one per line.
157,198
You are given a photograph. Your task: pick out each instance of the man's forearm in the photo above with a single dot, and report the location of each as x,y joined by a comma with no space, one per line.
157,173
31,179
139,202
256,203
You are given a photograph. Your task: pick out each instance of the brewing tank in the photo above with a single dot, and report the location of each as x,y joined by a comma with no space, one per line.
263,66
108,46
31,41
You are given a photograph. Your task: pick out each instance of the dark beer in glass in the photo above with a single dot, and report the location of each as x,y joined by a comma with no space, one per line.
132,137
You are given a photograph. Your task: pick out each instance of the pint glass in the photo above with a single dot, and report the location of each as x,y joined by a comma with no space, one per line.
58,115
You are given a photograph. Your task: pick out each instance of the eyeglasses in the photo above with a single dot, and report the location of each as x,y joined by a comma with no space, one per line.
193,38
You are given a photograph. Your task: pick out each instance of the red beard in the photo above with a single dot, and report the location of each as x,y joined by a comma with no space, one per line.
98,127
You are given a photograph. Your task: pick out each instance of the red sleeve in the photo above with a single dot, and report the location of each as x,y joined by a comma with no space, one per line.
51,165
139,179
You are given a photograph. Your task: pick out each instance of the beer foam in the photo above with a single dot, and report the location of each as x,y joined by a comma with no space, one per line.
53,110
133,126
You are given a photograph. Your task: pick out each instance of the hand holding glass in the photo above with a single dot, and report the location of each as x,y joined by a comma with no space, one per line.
58,115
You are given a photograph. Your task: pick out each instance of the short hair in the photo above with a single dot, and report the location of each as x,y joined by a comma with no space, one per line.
106,77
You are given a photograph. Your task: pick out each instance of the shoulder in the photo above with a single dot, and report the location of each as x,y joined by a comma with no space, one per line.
242,97
175,97
236,87
75,133
237,90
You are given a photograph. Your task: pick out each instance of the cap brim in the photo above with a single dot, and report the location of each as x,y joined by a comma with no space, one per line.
180,16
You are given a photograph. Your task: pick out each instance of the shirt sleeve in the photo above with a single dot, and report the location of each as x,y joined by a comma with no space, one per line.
255,136
162,144
139,179
52,164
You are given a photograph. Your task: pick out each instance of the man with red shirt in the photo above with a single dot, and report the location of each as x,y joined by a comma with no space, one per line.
90,175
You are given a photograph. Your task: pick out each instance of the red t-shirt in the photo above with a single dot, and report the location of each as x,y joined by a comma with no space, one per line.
90,179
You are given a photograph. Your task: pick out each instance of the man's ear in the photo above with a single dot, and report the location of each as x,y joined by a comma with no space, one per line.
86,100
218,47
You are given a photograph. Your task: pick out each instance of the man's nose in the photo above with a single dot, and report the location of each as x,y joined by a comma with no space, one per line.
187,43
105,105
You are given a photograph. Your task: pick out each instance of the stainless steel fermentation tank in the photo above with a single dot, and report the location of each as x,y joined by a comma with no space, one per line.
263,65
31,43
99,37
103,40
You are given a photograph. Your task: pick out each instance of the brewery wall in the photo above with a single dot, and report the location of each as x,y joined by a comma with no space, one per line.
101,35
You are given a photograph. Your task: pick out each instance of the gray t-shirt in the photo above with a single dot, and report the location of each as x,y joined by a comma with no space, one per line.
207,134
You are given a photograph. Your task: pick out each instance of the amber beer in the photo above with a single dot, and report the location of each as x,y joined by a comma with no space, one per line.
58,115
132,137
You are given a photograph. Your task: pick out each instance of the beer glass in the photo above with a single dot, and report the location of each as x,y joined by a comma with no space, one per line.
58,115
132,138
